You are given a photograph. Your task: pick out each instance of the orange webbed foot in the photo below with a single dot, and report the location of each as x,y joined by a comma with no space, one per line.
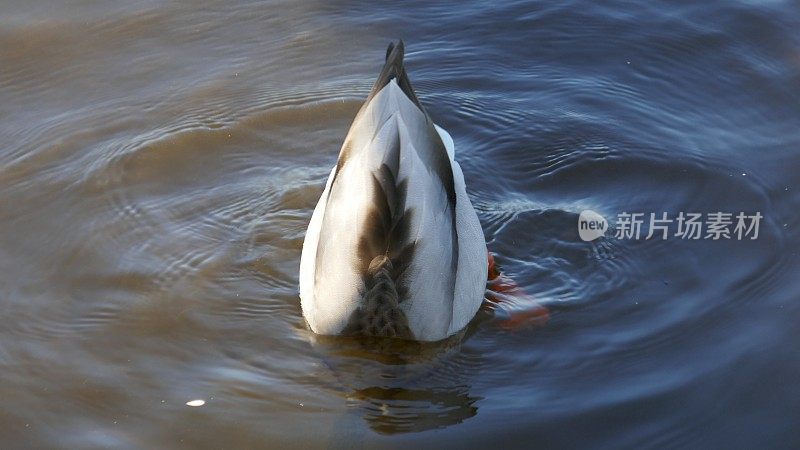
521,310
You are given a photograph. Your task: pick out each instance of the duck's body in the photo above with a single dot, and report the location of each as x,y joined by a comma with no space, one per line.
394,247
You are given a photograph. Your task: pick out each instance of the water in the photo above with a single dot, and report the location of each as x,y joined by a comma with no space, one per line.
159,162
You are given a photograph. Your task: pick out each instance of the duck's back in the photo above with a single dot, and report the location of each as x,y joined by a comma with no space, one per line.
394,247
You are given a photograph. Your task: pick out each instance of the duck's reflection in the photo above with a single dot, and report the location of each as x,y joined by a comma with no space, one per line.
401,386
403,410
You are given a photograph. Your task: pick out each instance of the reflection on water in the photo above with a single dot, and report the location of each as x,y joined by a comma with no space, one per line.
159,162
400,386
398,410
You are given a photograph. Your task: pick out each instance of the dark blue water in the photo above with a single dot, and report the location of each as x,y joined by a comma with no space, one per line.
616,106
160,163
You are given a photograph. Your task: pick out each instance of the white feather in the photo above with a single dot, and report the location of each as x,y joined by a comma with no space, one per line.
330,296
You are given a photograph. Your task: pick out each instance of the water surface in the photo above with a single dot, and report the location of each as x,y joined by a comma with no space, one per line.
159,162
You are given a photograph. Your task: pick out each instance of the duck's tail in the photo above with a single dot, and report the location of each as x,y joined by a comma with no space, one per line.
393,69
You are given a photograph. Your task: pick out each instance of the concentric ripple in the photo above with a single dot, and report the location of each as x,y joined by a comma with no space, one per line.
159,163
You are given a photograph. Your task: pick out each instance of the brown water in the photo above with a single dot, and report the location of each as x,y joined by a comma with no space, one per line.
159,162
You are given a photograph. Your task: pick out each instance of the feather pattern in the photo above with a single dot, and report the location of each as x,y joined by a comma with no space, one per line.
394,247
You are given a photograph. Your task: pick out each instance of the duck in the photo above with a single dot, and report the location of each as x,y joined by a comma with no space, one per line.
394,247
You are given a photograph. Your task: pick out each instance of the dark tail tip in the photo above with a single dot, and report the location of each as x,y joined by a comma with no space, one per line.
393,69
396,52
